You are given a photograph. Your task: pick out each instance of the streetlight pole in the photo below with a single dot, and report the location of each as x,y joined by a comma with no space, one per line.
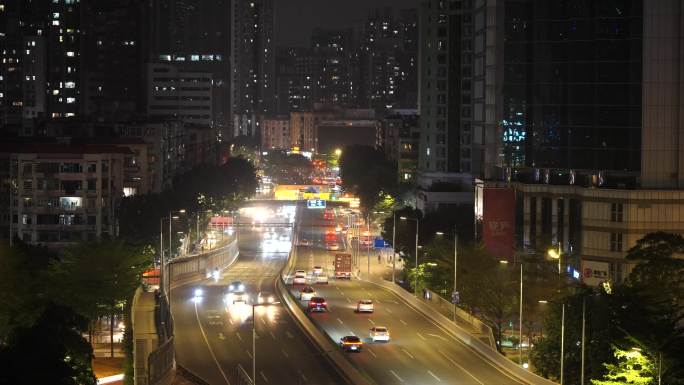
415,273
394,240
520,318
562,358
455,268
584,315
369,243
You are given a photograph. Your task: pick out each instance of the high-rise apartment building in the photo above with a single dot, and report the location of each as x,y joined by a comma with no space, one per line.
446,140
174,94
333,84
253,82
64,49
195,35
113,70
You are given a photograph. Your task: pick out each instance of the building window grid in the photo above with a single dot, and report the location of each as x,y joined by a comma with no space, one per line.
616,242
616,212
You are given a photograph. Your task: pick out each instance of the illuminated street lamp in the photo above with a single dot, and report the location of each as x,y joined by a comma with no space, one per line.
556,255
338,152
439,233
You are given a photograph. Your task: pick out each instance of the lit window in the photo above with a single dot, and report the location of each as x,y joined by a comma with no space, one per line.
70,85
55,15
194,57
70,100
70,53
55,22
55,92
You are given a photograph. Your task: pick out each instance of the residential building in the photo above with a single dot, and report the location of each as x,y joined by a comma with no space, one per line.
253,80
176,94
196,36
444,87
400,131
303,128
333,84
275,133
346,128
63,193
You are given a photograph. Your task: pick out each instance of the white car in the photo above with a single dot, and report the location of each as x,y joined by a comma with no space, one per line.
379,333
321,278
365,306
236,297
307,293
332,246
300,273
265,297
299,280
305,242
318,270
236,286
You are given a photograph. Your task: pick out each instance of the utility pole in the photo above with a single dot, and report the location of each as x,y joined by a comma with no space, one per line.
416,272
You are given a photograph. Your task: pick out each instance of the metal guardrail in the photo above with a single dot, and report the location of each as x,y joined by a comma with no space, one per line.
325,344
479,347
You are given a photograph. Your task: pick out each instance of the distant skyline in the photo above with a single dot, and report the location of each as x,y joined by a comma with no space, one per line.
295,19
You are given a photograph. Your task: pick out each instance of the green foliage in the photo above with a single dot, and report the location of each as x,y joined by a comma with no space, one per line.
367,174
95,278
632,367
418,277
40,331
287,169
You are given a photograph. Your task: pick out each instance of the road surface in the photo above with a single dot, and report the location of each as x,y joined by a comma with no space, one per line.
213,338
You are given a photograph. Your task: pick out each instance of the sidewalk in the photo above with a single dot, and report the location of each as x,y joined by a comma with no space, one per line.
106,367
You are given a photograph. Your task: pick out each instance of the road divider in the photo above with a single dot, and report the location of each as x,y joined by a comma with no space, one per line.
487,352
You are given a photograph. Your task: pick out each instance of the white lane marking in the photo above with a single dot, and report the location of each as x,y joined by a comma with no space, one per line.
238,336
388,310
408,354
371,321
438,336
221,336
230,320
263,376
460,367
340,321
404,322
421,336
396,375
395,302
371,352
377,300
211,351
249,354
342,293
289,335
433,375
272,335
348,300
337,287
285,353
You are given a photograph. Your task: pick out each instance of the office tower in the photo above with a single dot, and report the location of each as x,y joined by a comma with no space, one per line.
444,87
253,80
296,71
195,36
179,95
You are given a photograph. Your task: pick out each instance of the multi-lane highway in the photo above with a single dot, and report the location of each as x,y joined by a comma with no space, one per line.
213,338
419,352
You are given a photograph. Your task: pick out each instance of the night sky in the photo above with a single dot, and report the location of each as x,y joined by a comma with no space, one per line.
296,18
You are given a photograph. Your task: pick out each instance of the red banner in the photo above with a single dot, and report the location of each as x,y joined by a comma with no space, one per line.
498,223
219,221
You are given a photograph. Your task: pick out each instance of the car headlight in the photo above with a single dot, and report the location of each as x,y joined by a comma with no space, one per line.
270,299
198,292
231,287
242,287
261,299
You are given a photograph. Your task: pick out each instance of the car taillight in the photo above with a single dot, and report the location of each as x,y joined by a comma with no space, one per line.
324,303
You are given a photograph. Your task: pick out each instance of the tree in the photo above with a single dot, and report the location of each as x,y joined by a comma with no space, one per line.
367,174
50,351
659,271
417,278
632,367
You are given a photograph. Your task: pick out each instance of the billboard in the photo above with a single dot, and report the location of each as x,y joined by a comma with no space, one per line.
498,221
594,273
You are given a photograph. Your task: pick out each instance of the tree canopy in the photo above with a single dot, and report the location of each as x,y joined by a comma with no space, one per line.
366,174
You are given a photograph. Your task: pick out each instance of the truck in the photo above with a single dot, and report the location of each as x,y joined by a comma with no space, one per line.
343,265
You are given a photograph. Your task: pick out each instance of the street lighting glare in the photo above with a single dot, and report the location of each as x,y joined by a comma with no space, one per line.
543,301
403,218
439,233
553,253
338,152
175,217
503,262
182,211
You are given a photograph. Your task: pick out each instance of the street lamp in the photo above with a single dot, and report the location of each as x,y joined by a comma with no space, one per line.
439,233
254,305
520,312
556,255
161,252
562,352
338,152
415,274
394,244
